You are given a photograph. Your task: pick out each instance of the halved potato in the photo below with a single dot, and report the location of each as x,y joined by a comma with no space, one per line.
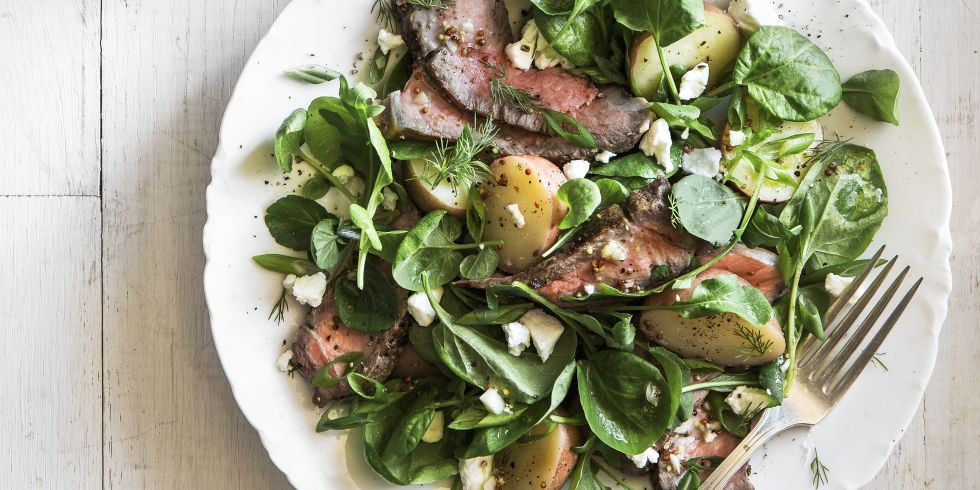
544,463
744,173
716,43
445,196
523,188
726,339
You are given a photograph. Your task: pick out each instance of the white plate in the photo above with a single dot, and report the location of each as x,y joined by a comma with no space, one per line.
854,441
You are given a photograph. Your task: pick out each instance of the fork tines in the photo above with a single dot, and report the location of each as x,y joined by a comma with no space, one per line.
828,367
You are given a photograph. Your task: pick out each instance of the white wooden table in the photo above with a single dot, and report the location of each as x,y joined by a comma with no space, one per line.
109,111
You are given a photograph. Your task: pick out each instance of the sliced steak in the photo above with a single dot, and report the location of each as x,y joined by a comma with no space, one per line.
423,28
430,116
700,436
642,225
324,337
756,265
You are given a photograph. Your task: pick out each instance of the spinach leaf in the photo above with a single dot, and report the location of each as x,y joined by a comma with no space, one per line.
555,7
495,316
291,221
788,75
874,93
667,20
632,165
707,209
286,264
772,379
767,230
481,264
476,417
582,197
579,38
492,440
289,138
846,192
315,74
375,308
324,240
476,216
845,269
723,294
623,398
428,249
677,375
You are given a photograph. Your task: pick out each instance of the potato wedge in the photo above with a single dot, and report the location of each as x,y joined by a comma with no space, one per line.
523,209
726,339
797,164
716,43
445,196
544,463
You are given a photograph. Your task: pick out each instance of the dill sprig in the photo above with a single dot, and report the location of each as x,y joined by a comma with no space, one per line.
876,360
819,471
756,343
385,12
457,163
509,95
280,308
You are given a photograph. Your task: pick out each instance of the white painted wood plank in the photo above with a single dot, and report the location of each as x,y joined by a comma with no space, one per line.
50,346
49,101
942,446
170,420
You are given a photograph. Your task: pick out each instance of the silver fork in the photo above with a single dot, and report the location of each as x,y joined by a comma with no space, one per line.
824,373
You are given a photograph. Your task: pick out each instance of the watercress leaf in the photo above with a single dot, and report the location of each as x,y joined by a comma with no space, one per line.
423,251
398,76
582,196
846,195
411,149
291,220
874,93
724,294
787,74
632,165
324,238
480,265
617,391
286,264
371,309
557,121
315,74
289,139
707,209
324,138
315,187
390,241
667,20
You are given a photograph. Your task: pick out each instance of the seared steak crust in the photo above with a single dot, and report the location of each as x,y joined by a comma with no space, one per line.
642,225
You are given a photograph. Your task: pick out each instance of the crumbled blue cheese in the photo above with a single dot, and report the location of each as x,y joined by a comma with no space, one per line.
521,53
589,288
388,41
702,161
836,285
515,212
736,138
518,337
390,199
283,362
694,82
545,331
343,173
604,156
745,400
434,432
308,290
546,57
750,15
493,402
650,456
656,143
477,473
421,309
614,250
576,169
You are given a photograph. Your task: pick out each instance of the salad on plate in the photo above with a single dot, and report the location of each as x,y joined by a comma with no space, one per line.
581,247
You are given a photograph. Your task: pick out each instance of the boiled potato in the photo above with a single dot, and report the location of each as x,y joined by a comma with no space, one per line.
744,173
446,195
544,463
722,339
716,43
523,209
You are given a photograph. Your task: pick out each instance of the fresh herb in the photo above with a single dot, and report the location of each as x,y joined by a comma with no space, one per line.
582,196
874,93
876,360
289,138
280,308
291,221
624,400
384,10
819,471
372,309
685,116
430,249
707,209
286,264
787,74
755,343
458,163
315,74
378,65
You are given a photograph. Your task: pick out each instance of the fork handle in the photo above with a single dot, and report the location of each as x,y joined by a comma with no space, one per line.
769,425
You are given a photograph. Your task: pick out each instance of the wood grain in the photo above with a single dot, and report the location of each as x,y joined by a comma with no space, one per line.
50,347
170,420
49,96
941,448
